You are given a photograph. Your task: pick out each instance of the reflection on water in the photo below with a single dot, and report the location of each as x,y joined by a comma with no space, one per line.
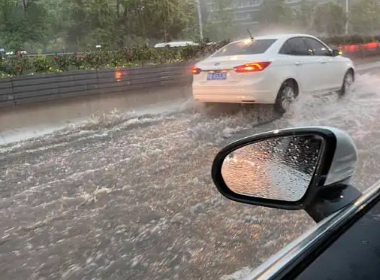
277,168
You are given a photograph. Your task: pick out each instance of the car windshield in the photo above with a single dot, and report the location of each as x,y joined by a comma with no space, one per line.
106,142
245,47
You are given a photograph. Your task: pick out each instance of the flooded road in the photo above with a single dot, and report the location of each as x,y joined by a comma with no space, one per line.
125,197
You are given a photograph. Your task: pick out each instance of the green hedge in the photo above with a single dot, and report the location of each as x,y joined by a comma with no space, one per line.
128,57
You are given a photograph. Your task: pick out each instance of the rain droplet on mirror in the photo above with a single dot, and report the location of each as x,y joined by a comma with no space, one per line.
272,169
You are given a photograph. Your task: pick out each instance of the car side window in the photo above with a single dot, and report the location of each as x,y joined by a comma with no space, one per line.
317,48
295,46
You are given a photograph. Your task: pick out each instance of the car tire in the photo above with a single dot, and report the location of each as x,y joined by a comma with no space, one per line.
348,80
287,93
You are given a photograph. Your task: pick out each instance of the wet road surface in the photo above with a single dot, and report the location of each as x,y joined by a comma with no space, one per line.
131,197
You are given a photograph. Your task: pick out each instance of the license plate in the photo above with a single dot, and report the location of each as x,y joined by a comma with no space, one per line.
217,76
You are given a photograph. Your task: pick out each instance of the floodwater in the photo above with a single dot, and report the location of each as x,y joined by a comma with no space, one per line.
130,197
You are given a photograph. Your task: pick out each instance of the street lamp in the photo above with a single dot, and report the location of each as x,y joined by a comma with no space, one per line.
200,20
346,27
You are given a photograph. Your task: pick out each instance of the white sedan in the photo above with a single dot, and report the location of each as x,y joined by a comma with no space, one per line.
271,69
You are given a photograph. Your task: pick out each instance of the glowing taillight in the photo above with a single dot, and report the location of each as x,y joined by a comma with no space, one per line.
196,70
252,67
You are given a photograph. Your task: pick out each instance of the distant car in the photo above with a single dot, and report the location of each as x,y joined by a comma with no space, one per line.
14,53
178,44
271,69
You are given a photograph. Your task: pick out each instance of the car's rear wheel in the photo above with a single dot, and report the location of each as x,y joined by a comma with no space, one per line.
348,81
286,95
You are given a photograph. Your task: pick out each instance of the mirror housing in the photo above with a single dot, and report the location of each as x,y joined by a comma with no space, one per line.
329,183
336,52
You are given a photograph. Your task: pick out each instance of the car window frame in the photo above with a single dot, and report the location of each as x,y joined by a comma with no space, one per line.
319,41
292,38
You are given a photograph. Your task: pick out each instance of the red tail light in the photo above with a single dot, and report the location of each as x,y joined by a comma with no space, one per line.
252,67
196,70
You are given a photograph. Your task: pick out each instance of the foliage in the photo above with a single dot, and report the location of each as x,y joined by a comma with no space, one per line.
15,67
78,24
329,18
118,22
126,57
73,25
274,12
22,21
304,14
221,25
365,16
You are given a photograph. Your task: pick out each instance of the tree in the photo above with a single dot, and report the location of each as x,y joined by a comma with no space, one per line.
329,18
79,24
221,24
365,16
274,12
156,19
22,21
304,14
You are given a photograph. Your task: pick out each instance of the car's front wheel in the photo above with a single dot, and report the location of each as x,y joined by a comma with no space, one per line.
286,95
348,81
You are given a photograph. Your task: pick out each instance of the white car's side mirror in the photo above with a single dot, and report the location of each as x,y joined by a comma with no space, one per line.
299,168
336,52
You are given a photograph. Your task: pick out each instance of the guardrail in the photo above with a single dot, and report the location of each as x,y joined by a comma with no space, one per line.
46,87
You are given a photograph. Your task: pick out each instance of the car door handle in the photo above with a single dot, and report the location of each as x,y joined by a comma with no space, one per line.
297,63
323,61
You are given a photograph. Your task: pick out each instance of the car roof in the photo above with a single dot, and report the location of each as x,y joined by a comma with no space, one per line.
277,36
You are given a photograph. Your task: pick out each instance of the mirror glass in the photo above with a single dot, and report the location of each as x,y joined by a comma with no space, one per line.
279,168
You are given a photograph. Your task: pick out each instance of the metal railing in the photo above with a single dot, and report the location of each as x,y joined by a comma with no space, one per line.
53,86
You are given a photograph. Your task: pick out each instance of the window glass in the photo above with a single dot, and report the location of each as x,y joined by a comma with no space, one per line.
317,48
295,46
245,47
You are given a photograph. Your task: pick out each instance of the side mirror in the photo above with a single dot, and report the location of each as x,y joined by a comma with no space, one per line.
298,168
336,52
